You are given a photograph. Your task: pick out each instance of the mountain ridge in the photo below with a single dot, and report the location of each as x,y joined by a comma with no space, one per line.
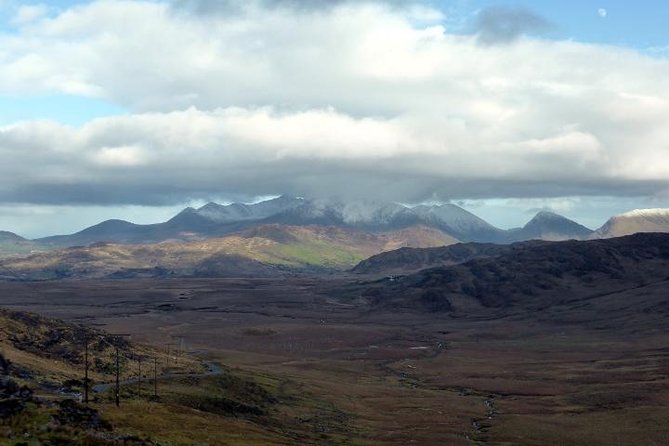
635,221
215,220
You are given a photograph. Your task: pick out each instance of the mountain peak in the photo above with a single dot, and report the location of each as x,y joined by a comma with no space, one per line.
7,236
638,220
547,215
210,205
547,225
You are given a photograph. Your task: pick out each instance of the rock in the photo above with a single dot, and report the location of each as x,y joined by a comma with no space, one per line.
71,413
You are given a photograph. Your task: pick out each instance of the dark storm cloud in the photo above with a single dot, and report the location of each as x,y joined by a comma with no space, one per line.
504,24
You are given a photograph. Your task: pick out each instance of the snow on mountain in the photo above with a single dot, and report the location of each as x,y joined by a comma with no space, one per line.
460,223
638,220
647,213
241,212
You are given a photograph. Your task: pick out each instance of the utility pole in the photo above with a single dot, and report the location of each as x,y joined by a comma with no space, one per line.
169,344
118,383
179,346
155,378
86,373
117,390
139,378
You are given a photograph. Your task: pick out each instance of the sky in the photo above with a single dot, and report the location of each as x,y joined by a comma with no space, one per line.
136,109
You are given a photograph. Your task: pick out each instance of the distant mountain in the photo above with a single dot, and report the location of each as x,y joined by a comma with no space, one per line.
215,220
9,237
241,212
640,220
545,226
460,223
12,245
535,276
550,226
364,215
211,220
264,250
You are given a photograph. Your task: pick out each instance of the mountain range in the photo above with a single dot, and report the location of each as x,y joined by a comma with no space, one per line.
215,220
288,234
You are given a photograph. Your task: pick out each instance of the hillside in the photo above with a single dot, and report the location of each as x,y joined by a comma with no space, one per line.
550,226
460,223
407,260
42,387
640,220
42,365
267,250
534,277
12,245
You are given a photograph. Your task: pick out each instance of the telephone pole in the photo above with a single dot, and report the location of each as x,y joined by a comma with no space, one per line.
117,391
179,346
139,377
86,373
155,378
169,344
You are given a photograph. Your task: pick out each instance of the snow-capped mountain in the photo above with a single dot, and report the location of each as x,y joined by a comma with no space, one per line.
368,215
639,220
460,223
215,220
240,211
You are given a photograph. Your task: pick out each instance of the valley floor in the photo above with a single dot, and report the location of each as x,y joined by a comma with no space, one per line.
363,377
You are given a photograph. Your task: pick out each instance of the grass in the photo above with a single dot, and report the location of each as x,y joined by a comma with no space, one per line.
321,372
230,407
283,246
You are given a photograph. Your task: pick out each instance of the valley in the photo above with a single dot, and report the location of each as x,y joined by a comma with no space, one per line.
582,362
334,223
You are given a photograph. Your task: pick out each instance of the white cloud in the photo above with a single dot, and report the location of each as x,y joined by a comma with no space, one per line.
123,156
603,13
355,98
28,14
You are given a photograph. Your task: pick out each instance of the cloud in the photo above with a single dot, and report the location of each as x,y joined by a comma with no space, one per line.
27,14
603,13
162,158
504,24
227,7
361,100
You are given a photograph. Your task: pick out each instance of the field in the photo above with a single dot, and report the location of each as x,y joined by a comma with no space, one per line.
331,370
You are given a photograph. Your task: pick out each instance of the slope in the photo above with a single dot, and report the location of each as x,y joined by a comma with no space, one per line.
42,379
533,277
12,245
550,226
640,220
267,250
